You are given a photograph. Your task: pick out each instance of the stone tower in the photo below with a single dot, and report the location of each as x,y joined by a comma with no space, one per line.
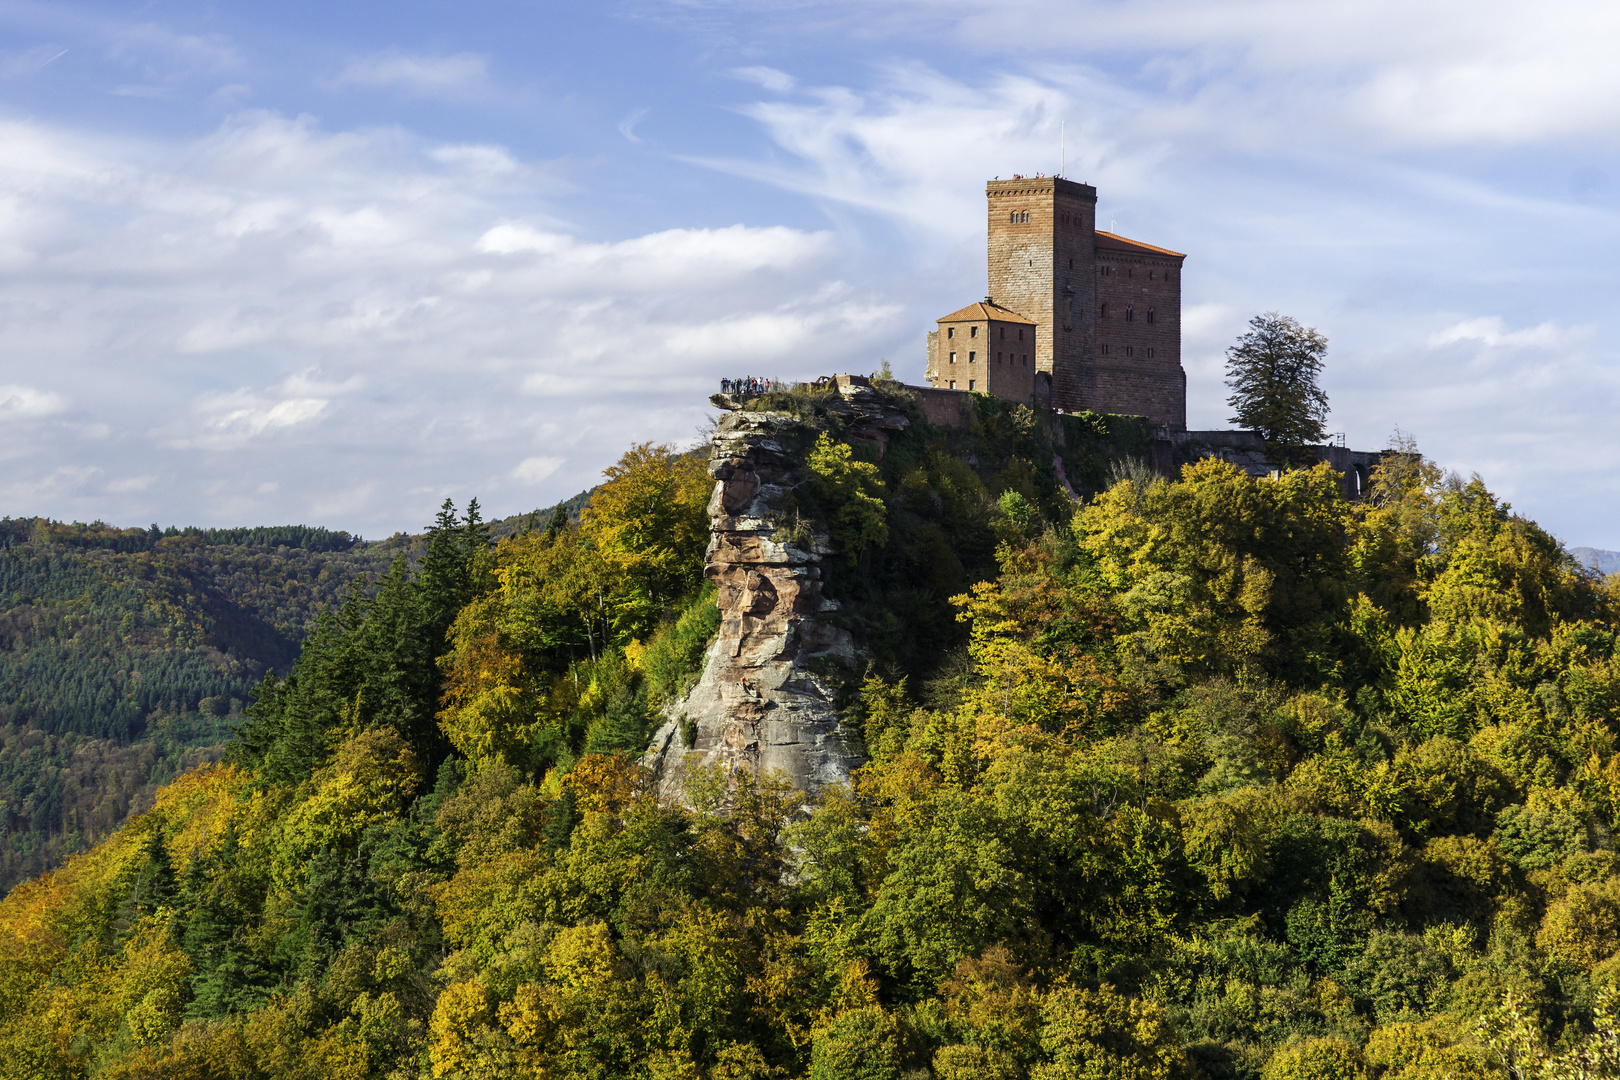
1042,253
1107,309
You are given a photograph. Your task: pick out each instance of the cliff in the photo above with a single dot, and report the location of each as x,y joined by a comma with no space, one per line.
766,698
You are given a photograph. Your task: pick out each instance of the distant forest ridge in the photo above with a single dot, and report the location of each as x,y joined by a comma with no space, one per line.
318,538
128,654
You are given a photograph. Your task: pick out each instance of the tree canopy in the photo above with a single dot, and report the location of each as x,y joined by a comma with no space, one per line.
1273,372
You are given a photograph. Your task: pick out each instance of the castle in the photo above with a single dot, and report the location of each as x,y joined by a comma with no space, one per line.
1075,318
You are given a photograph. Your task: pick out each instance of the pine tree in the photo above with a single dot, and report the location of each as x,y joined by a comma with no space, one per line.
1272,372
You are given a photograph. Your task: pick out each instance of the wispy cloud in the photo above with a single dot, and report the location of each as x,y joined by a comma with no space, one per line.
777,82
627,126
454,75
26,62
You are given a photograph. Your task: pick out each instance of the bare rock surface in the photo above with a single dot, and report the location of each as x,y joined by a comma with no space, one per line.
765,698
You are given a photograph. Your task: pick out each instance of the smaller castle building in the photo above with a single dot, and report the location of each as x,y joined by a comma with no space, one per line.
985,348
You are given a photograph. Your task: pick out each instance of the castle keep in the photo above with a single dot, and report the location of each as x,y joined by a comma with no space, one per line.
1102,312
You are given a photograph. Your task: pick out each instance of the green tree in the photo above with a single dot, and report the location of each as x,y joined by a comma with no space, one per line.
1272,372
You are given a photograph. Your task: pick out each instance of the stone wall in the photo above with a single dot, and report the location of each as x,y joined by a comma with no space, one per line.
1135,365
1043,268
1246,450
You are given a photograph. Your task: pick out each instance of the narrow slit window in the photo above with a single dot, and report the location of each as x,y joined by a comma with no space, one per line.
1130,316
1150,316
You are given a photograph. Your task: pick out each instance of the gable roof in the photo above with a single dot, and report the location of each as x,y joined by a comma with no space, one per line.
1113,240
985,311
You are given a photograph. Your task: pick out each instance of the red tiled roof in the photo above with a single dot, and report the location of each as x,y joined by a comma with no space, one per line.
1108,239
985,311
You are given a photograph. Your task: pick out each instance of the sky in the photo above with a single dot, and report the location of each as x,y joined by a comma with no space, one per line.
331,264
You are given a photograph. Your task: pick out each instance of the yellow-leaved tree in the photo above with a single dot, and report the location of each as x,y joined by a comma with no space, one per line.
648,523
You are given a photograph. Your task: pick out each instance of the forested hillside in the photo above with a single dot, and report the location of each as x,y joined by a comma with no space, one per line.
126,656
1212,777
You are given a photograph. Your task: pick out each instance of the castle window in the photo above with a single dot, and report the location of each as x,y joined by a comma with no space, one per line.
998,358
1150,315
1026,359
971,357
1020,333
970,384
1103,312
1150,354
1003,333
1071,264
973,331
953,384
953,358
1150,275
1103,349
1130,316
950,331
1129,351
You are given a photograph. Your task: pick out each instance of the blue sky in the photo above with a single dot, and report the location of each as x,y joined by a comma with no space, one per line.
331,263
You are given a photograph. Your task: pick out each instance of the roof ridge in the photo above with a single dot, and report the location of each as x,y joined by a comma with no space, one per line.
987,310
1140,244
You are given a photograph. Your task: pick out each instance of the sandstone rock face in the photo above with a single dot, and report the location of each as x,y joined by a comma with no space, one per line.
765,699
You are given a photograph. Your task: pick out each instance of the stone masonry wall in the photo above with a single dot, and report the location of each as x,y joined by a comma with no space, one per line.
1135,366
1043,268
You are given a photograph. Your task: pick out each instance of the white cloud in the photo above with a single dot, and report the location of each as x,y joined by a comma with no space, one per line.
378,313
231,419
131,484
26,403
426,76
62,481
1488,330
900,148
535,469
1284,73
674,258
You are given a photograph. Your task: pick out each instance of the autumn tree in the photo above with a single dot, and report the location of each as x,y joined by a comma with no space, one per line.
1272,372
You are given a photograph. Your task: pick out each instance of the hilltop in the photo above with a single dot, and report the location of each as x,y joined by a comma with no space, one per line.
1211,776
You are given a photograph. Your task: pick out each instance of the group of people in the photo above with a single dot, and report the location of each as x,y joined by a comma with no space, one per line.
746,385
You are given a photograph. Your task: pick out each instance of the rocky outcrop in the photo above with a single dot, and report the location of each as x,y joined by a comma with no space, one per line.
765,700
